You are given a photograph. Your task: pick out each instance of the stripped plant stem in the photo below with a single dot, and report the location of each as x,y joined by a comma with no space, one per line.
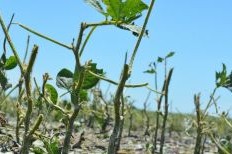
166,90
198,146
87,39
75,93
18,107
107,115
26,73
147,118
126,72
112,148
27,139
130,111
159,101
122,118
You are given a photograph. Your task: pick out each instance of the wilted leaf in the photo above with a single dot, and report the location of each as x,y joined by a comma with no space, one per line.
97,5
10,63
52,93
64,79
136,30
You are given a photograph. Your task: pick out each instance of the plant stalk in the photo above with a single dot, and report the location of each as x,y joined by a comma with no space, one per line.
167,83
27,77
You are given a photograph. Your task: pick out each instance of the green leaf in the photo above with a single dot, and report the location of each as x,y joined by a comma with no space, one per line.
83,95
90,80
52,93
221,77
113,8
132,9
224,80
64,79
170,54
38,150
150,71
125,11
160,60
11,63
52,146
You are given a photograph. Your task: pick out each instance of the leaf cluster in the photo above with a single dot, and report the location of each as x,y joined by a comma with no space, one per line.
123,13
152,65
223,79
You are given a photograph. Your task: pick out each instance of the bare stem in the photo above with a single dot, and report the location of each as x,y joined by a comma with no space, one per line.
86,40
167,83
11,44
12,90
27,76
8,28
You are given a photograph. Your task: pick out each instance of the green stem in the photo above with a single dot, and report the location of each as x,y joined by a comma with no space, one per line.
49,102
4,100
141,34
104,23
115,83
155,91
209,103
218,144
78,79
27,47
36,125
79,40
44,37
86,40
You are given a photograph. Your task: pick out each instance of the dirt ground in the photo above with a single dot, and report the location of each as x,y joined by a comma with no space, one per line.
89,141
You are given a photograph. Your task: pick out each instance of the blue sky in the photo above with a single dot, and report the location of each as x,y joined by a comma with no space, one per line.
199,32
